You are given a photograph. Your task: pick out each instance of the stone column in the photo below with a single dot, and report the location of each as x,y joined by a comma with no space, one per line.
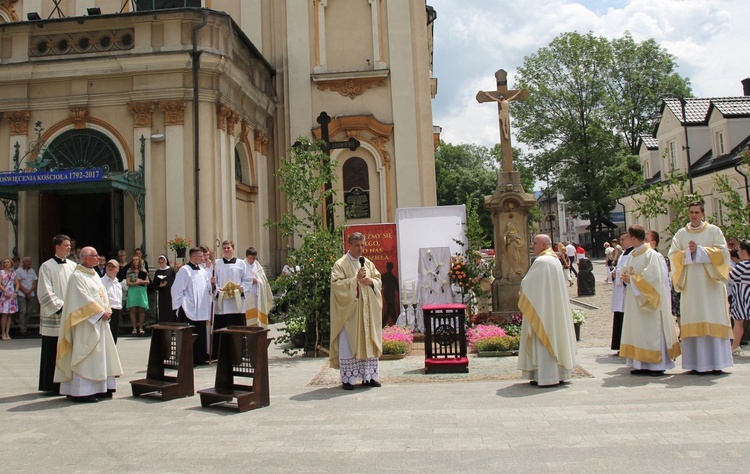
176,158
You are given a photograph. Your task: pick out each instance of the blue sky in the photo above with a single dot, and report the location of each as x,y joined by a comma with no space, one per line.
474,38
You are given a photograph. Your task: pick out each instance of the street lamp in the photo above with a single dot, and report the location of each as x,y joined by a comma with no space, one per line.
686,147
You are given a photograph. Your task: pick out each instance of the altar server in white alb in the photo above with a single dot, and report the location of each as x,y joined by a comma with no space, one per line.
191,297
232,281
87,358
649,337
53,279
259,299
700,269
547,351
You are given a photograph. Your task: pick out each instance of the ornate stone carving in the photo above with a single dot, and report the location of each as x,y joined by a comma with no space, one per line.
232,121
82,42
174,111
261,142
10,11
19,121
380,143
244,130
223,112
78,116
143,113
352,87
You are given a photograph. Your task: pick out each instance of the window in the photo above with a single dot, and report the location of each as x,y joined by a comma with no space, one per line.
672,156
81,149
720,150
166,4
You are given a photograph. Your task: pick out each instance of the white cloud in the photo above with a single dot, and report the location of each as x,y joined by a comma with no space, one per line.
474,38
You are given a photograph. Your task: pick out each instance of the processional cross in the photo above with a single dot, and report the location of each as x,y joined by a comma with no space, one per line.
504,97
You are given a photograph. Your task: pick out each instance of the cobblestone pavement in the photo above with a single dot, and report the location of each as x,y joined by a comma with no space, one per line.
611,421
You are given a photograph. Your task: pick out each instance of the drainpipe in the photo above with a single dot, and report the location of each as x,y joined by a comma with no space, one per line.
195,54
747,191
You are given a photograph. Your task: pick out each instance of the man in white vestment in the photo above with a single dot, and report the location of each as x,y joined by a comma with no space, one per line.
87,358
356,315
53,280
700,270
232,282
547,352
259,299
191,297
649,338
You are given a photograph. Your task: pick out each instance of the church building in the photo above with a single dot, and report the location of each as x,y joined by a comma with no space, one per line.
124,123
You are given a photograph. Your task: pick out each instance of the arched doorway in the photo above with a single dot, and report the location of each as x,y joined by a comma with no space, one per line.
89,212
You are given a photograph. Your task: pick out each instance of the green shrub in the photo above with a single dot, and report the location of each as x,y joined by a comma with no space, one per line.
495,344
395,347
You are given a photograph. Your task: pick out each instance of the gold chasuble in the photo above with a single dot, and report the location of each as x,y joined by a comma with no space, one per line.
647,310
356,309
258,306
85,347
703,303
547,320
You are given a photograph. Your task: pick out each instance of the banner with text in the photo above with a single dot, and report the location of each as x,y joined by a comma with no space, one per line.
381,248
51,177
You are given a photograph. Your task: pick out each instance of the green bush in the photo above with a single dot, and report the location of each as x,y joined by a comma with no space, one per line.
495,344
395,347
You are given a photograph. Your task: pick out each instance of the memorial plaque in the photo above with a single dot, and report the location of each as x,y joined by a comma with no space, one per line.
357,203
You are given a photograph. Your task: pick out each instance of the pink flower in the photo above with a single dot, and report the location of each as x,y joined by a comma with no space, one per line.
482,331
398,333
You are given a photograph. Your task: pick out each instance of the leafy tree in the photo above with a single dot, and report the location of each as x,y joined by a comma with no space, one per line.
589,102
466,173
306,293
637,75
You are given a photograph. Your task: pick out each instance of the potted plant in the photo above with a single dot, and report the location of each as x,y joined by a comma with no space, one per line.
579,318
396,342
490,340
179,245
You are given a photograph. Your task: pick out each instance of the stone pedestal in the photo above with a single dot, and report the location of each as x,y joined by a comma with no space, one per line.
509,205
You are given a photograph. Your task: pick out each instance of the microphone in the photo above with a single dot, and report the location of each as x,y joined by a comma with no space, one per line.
361,261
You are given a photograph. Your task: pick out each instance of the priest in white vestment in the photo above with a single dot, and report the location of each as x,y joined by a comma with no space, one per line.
259,299
700,270
649,338
356,316
87,358
547,351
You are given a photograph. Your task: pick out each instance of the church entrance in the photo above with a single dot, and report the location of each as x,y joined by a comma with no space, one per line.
91,219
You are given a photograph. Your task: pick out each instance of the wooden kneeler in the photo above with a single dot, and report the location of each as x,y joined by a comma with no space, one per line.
171,348
243,352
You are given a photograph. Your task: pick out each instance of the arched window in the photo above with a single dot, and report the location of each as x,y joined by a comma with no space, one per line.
237,166
76,149
356,188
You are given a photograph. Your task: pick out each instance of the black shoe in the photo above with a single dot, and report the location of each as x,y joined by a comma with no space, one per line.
640,372
655,373
347,386
107,394
372,383
88,399
718,372
533,383
695,372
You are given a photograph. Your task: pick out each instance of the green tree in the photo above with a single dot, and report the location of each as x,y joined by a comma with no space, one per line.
466,173
588,105
637,75
306,293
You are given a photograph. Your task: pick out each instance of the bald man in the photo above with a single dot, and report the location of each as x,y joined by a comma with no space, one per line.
547,352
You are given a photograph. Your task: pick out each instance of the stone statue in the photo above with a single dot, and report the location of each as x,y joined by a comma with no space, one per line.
513,245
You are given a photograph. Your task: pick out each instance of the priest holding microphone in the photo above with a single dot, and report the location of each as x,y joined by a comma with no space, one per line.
356,314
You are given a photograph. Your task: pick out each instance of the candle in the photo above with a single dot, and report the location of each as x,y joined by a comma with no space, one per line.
413,293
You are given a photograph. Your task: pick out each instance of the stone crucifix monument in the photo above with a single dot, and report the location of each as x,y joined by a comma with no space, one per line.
509,205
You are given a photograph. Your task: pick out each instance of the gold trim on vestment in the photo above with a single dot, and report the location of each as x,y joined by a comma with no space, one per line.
81,314
705,329
716,255
649,298
678,267
537,327
648,356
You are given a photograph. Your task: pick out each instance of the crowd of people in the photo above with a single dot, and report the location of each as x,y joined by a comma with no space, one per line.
81,298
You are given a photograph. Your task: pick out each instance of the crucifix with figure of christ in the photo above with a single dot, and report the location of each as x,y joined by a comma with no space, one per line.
504,97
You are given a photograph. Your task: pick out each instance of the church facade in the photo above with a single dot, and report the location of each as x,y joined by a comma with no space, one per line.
124,123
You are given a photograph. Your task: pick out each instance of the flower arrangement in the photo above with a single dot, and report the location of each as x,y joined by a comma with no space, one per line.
463,274
178,243
397,340
498,344
579,317
483,331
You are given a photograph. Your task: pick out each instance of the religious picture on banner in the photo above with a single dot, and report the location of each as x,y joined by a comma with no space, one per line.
382,249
